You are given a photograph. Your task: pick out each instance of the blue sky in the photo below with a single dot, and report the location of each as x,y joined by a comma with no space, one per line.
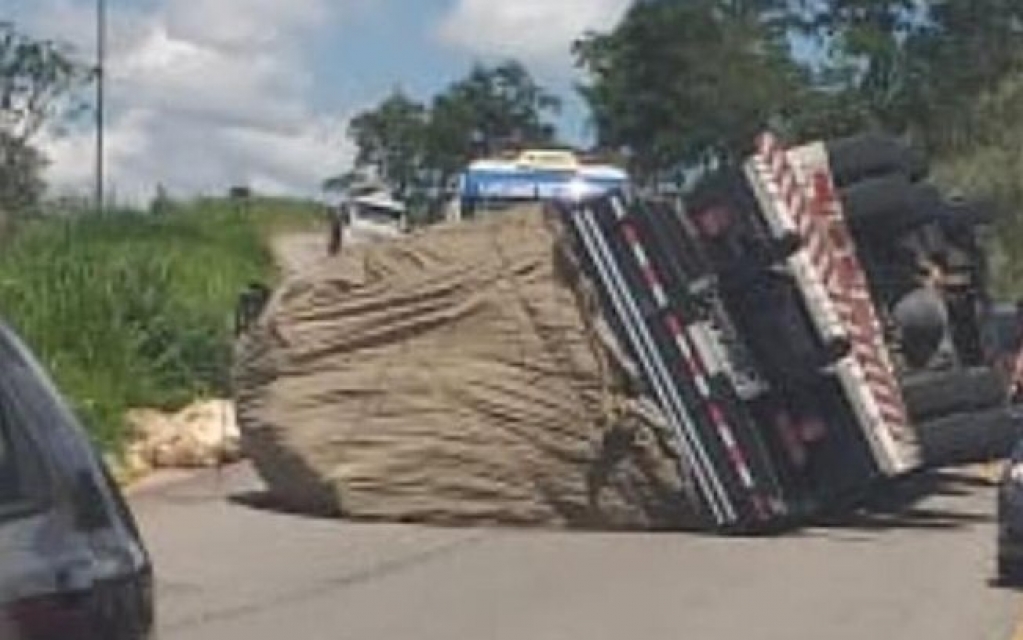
207,93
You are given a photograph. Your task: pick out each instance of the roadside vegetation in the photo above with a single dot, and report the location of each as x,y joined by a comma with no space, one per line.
132,309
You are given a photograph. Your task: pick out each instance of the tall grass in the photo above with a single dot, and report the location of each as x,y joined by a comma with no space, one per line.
131,309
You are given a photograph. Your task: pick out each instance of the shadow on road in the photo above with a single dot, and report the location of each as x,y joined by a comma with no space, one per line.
265,501
926,500
933,500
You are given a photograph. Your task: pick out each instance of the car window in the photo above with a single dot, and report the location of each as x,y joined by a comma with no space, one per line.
29,397
10,488
22,477
379,215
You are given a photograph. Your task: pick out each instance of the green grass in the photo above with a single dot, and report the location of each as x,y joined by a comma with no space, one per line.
130,309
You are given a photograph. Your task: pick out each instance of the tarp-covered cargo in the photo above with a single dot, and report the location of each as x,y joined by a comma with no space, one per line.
458,375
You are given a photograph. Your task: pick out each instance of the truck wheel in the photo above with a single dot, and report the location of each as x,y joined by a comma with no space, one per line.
966,438
889,204
1010,571
871,155
922,319
932,394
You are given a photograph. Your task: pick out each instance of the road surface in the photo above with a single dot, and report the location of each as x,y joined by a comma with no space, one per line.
228,569
296,252
300,251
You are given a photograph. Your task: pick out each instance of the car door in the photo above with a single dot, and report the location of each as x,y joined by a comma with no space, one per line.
39,599
102,569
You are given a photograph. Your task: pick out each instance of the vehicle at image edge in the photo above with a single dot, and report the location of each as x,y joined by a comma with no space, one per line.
1010,487
72,563
1010,519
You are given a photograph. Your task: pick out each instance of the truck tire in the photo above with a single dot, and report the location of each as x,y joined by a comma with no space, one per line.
889,204
872,155
960,214
971,437
932,394
923,321
1010,571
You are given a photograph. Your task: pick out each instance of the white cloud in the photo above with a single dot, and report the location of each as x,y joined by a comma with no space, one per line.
540,32
204,94
243,24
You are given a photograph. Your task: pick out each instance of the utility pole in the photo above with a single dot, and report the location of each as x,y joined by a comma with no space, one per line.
101,52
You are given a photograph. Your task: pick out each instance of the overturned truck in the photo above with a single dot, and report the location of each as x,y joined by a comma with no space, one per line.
806,327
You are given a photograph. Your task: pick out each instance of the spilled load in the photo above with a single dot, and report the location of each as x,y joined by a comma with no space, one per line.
806,327
456,375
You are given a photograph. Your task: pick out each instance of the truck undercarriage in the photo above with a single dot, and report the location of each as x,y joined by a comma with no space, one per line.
810,324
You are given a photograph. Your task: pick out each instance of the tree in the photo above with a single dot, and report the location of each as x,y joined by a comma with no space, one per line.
686,84
416,150
691,81
21,183
36,80
390,140
916,66
490,109
500,105
340,183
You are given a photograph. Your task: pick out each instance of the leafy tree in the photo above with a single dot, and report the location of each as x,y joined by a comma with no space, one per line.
416,149
340,183
21,184
500,105
865,43
36,80
689,83
917,66
390,140
970,49
491,108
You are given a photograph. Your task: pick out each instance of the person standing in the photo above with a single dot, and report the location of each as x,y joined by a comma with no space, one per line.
338,221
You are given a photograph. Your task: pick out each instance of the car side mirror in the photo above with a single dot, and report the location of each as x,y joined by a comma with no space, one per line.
90,508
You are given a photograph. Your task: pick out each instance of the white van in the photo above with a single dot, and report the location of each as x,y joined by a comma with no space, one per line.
377,214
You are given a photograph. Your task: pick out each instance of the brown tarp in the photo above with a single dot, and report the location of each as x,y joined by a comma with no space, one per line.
460,375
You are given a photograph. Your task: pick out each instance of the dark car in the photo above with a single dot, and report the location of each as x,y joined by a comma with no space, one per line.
72,564
1010,517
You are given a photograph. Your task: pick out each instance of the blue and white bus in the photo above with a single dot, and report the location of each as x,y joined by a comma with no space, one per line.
532,176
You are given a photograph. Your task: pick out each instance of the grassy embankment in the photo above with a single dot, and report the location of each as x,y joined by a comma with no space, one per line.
135,310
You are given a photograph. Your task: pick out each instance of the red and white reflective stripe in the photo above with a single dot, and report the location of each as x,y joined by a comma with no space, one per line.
697,371
858,311
694,365
818,219
632,239
649,274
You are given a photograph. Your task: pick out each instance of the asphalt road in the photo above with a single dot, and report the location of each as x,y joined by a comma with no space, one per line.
229,569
